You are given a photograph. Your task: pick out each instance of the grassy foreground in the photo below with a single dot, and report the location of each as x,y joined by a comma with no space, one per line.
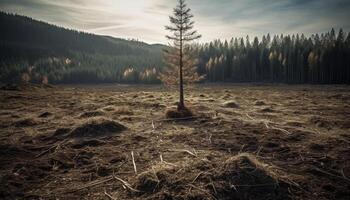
245,142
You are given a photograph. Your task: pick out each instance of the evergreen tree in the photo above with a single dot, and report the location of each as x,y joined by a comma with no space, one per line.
178,57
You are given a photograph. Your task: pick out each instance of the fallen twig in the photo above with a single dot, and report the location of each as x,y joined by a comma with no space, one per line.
212,184
259,150
109,196
51,148
280,129
343,174
177,119
91,184
167,163
249,116
126,184
240,151
266,124
200,189
133,162
153,125
161,158
330,174
210,135
200,173
186,151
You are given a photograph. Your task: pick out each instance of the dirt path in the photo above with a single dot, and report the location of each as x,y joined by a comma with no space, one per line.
247,142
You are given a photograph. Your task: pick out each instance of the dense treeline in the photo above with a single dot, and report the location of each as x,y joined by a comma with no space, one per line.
37,51
320,59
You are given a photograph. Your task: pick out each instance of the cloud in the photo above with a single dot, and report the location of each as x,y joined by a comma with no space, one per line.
145,19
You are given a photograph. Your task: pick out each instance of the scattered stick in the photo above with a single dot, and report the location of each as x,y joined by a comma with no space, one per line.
266,124
212,184
234,187
280,129
240,151
330,174
109,196
343,174
51,148
177,119
200,173
126,184
301,157
259,150
210,135
167,163
133,162
46,151
256,185
91,184
187,151
200,189
153,125
249,116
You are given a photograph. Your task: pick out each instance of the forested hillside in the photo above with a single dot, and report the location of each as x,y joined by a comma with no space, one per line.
38,51
35,51
321,59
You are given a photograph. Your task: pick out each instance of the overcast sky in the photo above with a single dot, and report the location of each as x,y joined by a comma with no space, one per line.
145,19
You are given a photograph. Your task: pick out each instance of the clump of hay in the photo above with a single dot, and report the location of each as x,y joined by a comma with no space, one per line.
62,160
239,177
159,176
176,113
321,122
226,96
124,110
97,127
45,114
91,114
259,103
253,179
25,122
267,109
247,164
230,104
109,108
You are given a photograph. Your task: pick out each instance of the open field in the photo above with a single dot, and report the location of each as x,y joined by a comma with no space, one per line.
246,142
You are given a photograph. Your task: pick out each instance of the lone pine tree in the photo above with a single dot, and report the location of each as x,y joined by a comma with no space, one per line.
181,65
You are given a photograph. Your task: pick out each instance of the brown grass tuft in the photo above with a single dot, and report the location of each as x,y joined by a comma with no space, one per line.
259,103
231,104
154,179
97,127
123,111
267,109
92,114
240,177
174,113
26,122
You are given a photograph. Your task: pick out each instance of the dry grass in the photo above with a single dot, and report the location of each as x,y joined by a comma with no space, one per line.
230,104
97,127
92,114
125,110
238,177
293,152
174,113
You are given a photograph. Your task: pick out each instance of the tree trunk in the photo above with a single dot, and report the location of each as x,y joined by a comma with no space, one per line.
181,105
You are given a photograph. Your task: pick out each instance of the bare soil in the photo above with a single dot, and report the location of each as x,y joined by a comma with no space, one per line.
244,142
